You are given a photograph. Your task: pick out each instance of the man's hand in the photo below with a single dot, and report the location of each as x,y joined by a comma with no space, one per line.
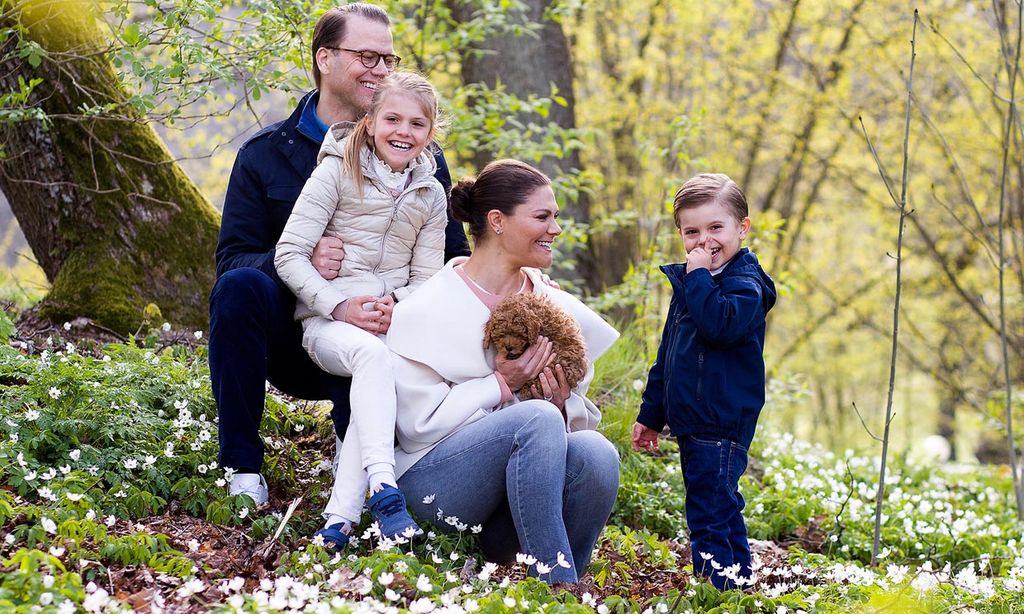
644,438
528,366
327,256
698,258
351,311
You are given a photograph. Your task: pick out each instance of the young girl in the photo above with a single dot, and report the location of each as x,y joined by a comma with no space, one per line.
374,189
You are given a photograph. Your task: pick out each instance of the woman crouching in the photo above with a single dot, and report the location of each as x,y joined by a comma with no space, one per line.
535,475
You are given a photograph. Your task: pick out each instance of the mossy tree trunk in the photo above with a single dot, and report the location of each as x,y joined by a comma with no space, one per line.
113,221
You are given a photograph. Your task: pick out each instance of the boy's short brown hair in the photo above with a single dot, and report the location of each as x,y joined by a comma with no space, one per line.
708,188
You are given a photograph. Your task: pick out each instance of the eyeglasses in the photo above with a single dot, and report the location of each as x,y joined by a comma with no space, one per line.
370,59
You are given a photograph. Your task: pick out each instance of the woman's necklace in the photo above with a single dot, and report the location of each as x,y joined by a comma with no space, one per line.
521,289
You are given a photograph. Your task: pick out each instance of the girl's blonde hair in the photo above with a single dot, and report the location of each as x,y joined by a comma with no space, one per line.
409,82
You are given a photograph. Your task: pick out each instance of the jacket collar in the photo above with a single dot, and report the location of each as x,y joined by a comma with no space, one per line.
744,263
292,140
310,124
336,141
744,257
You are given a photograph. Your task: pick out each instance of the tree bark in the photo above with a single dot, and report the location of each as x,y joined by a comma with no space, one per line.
113,221
528,66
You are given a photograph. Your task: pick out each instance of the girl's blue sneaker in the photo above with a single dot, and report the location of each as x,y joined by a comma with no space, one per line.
388,508
334,537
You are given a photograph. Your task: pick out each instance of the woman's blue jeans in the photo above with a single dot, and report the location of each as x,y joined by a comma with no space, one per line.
533,487
714,507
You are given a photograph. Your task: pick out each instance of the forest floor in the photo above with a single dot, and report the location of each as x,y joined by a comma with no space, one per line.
111,498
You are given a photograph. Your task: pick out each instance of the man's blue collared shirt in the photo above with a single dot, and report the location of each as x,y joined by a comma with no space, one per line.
310,123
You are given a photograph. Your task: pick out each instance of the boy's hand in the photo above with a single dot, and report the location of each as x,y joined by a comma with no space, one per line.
698,258
644,438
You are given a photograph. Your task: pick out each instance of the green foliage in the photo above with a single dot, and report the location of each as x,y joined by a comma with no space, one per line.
92,446
14,105
689,95
7,327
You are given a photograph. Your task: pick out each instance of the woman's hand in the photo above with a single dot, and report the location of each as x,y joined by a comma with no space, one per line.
351,311
553,387
644,438
528,366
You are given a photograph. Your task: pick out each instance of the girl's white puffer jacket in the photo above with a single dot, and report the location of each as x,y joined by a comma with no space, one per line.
391,244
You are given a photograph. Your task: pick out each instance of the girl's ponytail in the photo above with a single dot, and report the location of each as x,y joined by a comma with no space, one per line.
353,164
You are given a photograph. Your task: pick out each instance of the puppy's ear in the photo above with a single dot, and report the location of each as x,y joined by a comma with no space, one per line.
487,334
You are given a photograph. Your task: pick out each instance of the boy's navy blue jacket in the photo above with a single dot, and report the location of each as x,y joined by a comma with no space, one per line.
268,175
708,378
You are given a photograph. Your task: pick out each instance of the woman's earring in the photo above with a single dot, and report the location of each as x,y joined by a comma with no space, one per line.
498,231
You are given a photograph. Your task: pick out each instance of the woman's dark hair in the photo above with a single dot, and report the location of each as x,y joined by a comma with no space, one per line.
502,185
330,28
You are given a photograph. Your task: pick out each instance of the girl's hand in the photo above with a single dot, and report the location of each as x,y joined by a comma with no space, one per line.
644,438
352,311
528,366
385,305
553,387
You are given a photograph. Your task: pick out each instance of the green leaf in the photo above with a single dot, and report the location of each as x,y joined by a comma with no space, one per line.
131,35
7,327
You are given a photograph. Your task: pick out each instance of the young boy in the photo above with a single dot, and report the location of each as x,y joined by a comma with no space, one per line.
707,382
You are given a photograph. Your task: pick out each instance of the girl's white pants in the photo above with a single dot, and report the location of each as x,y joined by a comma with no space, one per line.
344,349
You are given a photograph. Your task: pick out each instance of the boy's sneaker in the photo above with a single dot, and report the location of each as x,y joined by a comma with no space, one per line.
388,508
334,537
251,484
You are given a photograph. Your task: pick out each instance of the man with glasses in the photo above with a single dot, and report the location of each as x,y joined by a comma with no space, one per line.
253,335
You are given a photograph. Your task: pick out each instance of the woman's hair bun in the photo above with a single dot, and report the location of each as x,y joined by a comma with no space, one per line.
461,199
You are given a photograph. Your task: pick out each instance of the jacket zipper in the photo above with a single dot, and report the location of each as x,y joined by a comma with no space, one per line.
415,185
700,374
391,222
383,241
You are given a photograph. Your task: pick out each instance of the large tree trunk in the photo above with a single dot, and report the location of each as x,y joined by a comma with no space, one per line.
528,65
113,221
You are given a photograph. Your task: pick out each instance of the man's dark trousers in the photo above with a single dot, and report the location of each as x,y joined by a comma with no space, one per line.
254,338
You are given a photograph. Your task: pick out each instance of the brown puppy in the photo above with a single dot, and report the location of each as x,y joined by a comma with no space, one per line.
517,322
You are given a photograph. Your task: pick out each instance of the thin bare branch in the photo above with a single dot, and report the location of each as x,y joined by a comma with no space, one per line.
1014,62
896,307
865,424
878,163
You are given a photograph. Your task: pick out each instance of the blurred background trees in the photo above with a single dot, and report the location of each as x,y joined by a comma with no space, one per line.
621,102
